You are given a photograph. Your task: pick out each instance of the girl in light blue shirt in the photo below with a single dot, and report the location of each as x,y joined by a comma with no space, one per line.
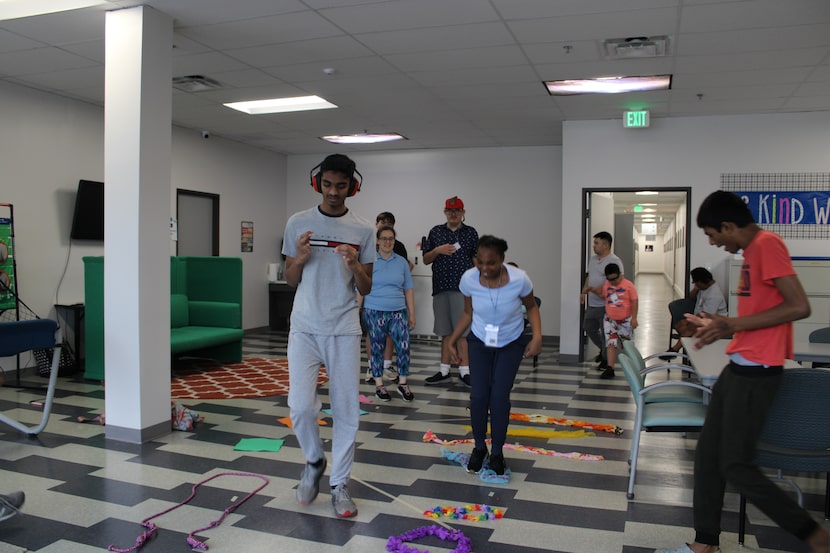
389,310
494,293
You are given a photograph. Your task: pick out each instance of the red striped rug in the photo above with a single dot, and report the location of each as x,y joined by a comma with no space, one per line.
251,377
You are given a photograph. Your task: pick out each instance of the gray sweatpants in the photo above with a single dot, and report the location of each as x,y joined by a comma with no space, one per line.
341,356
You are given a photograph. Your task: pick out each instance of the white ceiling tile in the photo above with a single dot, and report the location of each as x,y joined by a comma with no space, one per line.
10,42
748,40
753,14
277,29
476,35
733,78
60,28
70,79
326,50
609,24
409,14
453,73
536,9
477,75
808,103
492,57
205,12
744,61
39,60
205,64
348,68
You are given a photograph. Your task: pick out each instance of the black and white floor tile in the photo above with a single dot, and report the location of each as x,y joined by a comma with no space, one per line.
85,493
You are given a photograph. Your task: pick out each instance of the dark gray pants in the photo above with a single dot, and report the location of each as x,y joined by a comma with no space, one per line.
592,322
740,401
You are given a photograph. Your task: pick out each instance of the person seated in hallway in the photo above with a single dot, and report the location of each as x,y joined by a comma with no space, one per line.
621,305
709,299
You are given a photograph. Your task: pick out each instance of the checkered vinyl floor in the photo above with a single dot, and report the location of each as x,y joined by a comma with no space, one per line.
85,493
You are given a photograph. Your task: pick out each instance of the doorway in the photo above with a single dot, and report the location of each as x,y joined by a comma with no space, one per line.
659,248
198,218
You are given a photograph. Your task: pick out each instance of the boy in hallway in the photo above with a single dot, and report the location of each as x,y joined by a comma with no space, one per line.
329,253
620,320
770,298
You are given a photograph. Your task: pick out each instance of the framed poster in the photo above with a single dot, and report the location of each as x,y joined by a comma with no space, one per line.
247,236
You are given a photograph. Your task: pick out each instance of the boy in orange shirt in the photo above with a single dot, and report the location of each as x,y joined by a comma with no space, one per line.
620,313
770,298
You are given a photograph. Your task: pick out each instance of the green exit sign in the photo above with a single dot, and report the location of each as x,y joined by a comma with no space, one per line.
635,119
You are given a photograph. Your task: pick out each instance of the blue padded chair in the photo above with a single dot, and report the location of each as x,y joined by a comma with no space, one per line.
667,360
796,434
635,368
820,336
677,309
21,336
675,416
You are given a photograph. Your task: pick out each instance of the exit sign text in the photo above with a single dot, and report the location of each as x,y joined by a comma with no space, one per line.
635,119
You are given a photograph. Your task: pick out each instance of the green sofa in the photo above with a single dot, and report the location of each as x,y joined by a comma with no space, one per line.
205,309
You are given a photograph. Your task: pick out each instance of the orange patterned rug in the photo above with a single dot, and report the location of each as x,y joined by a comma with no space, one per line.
251,377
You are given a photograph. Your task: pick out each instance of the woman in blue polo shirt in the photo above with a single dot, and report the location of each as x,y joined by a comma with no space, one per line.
494,293
389,310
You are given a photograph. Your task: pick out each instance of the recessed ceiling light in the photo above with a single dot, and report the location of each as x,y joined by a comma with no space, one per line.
608,85
647,205
281,105
367,138
14,9
646,193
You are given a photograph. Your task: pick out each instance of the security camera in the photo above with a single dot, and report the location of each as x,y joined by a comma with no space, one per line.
205,134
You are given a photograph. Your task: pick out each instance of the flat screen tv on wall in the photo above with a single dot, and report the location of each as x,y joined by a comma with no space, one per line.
88,220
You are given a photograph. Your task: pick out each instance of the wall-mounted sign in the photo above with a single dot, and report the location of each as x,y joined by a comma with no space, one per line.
636,119
788,208
648,228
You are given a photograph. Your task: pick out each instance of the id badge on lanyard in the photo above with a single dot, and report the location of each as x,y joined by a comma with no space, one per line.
491,336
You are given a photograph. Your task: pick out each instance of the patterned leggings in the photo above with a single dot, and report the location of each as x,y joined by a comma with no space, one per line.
379,324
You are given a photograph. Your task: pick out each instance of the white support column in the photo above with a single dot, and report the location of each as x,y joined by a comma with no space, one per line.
137,137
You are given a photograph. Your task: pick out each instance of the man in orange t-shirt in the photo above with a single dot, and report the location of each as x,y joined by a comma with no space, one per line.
770,298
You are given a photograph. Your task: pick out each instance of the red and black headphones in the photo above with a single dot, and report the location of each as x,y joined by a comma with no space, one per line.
316,176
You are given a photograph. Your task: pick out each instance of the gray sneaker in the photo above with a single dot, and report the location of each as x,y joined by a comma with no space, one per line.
344,507
310,482
10,504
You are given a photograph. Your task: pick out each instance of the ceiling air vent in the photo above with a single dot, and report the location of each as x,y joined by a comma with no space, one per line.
635,47
195,83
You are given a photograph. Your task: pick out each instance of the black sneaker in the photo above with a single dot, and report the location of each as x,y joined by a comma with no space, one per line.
598,358
476,461
607,374
466,380
406,394
497,463
603,364
382,394
437,378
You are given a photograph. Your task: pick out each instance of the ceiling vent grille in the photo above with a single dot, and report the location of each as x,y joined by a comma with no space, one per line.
635,47
195,83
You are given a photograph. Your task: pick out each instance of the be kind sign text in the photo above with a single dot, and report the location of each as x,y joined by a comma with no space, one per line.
788,208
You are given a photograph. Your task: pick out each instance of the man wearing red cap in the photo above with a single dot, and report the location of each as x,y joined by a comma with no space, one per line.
450,249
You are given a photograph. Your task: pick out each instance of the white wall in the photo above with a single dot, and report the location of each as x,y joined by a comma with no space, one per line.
681,152
513,193
48,143
650,262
